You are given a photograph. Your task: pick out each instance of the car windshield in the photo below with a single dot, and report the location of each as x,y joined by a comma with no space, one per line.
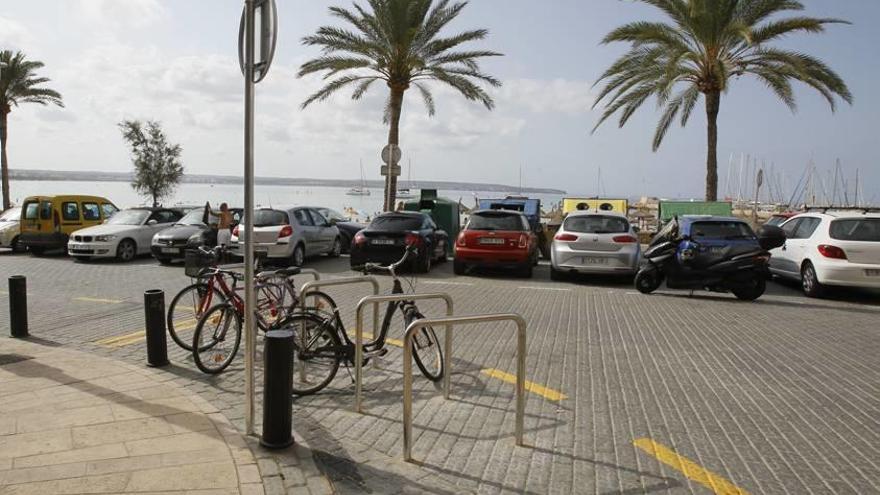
856,229
129,217
397,222
194,217
596,224
727,230
331,214
11,215
491,220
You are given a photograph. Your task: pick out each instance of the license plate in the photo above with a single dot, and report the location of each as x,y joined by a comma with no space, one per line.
491,240
77,246
170,250
383,242
595,261
872,273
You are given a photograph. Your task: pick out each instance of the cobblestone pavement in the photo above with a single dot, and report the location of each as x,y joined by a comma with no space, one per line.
629,393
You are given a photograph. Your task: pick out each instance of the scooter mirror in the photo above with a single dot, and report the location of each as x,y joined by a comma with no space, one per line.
770,237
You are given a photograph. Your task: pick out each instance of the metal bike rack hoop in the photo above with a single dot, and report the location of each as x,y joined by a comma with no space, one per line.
449,322
359,336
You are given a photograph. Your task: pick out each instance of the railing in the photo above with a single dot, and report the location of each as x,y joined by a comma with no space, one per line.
450,322
314,285
359,336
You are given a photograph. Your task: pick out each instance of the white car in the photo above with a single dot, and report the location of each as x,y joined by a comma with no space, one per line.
10,230
124,235
594,242
830,249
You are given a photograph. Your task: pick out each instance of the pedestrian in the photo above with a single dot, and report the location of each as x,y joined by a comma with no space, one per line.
224,226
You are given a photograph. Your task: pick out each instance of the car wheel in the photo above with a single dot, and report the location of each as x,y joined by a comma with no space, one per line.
425,264
126,251
810,281
556,274
444,257
299,255
753,291
336,250
17,246
346,243
458,267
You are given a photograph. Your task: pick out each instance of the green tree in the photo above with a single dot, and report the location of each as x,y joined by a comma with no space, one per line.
706,45
157,167
398,42
18,84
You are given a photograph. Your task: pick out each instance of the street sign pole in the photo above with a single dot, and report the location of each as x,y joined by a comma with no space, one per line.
249,299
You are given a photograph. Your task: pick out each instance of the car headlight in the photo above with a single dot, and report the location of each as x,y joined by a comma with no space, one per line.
104,238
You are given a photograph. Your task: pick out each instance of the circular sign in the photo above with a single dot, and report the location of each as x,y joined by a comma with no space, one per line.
386,153
265,37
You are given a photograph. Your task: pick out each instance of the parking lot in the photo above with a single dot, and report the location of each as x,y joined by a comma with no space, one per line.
627,393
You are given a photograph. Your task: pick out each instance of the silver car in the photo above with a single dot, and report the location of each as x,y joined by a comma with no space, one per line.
289,233
594,242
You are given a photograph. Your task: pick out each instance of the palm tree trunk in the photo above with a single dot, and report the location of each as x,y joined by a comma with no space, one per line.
393,138
713,102
4,165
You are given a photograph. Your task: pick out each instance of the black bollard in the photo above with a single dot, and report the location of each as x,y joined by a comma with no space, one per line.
18,317
154,317
278,390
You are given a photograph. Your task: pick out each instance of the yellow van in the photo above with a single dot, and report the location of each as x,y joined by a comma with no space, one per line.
47,221
595,204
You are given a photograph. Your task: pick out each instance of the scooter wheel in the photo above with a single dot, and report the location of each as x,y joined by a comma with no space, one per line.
647,281
754,291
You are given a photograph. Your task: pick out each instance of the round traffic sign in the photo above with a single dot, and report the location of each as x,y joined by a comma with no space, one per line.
265,37
386,154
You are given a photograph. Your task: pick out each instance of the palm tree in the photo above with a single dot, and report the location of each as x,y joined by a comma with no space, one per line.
18,84
708,43
398,42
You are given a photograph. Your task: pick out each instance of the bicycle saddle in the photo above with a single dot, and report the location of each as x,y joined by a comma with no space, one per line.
289,272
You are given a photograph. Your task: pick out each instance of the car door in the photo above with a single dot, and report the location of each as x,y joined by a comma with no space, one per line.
309,231
799,246
163,219
781,259
326,233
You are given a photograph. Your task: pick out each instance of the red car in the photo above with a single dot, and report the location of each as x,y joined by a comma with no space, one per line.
496,238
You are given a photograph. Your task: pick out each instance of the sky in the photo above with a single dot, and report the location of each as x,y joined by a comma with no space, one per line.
176,62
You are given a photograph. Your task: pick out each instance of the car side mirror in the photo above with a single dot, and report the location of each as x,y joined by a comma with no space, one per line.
636,230
152,221
331,222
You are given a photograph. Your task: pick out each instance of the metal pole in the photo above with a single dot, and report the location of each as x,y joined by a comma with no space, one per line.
154,319
249,299
18,317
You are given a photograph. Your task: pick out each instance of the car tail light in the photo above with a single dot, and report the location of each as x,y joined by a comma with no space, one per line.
523,240
624,239
359,239
566,237
830,251
413,239
286,231
235,231
462,240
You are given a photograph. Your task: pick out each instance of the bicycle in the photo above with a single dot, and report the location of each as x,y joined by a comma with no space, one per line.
327,344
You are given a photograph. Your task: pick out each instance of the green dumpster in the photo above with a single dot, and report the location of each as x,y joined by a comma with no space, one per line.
669,209
444,211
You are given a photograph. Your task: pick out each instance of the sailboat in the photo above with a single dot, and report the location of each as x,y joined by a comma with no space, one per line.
404,192
362,189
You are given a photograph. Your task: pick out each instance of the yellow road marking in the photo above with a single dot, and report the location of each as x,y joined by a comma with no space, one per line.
97,300
547,393
369,336
139,336
689,468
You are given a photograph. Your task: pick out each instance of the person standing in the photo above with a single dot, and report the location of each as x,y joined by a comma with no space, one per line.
224,225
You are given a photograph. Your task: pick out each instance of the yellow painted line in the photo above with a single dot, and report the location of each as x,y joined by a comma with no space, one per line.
689,468
97,300
139,336
369,336
547,393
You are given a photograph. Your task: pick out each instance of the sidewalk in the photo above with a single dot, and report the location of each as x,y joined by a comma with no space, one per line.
78,423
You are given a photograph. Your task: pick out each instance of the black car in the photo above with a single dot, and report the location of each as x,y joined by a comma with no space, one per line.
191,231
385,239
347,228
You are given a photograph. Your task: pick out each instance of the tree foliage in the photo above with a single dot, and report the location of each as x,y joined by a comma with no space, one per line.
700,50
157,166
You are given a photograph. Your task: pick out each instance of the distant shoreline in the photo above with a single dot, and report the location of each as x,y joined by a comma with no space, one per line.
93,176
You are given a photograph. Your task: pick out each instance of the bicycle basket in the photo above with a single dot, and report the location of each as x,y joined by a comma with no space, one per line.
195,261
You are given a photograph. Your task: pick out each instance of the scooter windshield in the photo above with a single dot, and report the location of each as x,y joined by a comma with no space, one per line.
669,233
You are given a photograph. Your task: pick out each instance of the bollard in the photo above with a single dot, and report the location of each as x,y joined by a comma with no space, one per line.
18,318
154,318
278,390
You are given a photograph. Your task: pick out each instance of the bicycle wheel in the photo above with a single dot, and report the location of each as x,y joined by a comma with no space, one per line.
187,308
315,364
271,307
322,304
217,338
427,351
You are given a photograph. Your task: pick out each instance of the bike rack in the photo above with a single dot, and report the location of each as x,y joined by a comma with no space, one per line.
449,322
310,286
359,337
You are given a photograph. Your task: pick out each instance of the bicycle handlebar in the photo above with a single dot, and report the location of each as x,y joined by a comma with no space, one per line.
376,267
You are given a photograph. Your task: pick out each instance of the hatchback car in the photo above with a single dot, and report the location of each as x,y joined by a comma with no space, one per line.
289,233
594,242
830,249
496,238
10,222
124,236
384,241
196,229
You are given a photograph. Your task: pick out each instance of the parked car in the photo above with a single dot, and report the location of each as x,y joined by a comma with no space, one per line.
830,249
497,238
385,239
10,230
48,221
594,242
289,233
124,236
347,228
196,229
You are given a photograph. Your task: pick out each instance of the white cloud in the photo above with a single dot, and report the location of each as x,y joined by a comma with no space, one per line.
553,96
14,35
118,15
